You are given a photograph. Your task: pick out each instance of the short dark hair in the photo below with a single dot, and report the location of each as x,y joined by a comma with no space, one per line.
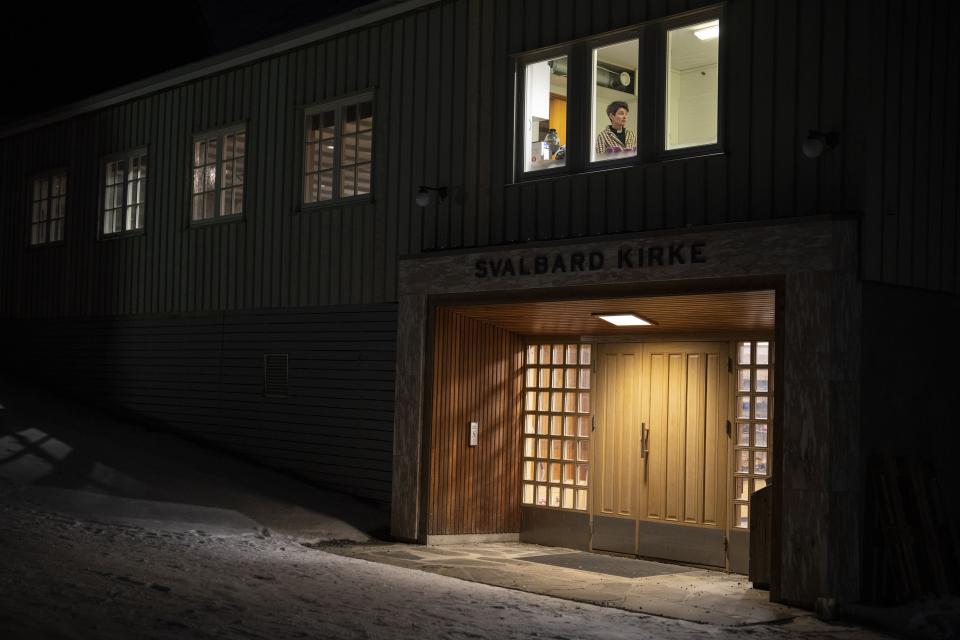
617,104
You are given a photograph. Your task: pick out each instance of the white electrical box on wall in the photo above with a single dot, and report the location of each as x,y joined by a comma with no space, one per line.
474,433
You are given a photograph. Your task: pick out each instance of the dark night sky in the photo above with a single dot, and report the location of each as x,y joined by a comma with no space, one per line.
55,54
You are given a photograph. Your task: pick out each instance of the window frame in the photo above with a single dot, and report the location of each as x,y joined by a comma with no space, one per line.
336,105
104,160
651,80
47,175
220,133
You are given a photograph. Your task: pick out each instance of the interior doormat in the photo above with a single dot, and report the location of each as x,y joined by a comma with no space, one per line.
609,565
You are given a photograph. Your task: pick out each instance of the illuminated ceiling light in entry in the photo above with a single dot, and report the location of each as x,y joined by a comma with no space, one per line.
707,30
623,319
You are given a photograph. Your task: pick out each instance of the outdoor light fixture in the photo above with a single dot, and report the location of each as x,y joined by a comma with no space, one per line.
623,319
819,141
708,30
424,197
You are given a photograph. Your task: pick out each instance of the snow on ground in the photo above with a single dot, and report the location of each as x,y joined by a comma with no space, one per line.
67,577
110,532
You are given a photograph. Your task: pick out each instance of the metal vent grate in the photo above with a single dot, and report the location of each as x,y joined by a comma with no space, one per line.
276,374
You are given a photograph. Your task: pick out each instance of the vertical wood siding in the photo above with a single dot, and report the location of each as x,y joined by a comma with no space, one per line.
476,377
202,375
881,73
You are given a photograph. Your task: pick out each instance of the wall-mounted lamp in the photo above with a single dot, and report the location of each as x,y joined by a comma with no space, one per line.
819,141
424,197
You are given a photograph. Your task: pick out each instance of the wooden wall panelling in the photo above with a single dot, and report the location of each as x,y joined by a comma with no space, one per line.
950,236
787,132
476,376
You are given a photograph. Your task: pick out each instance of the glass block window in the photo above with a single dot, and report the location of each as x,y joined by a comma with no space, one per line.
754,414
218,174
556,426
48,208
124,193
338,151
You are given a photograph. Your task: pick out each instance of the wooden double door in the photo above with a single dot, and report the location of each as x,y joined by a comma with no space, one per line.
661,450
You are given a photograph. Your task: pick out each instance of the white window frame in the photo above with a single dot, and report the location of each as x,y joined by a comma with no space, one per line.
337,107
218,186
125,157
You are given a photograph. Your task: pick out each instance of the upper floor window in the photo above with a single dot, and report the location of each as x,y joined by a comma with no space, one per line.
338,151
124,193
640,94
693,62
218,174
48,208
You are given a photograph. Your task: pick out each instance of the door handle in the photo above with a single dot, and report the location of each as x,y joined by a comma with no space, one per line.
644,440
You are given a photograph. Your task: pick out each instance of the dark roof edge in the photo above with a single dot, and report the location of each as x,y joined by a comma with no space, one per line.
354,19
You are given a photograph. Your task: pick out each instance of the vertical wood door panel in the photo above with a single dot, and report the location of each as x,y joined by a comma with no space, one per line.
617,445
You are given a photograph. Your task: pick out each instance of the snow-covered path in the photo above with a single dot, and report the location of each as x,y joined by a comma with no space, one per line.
64,577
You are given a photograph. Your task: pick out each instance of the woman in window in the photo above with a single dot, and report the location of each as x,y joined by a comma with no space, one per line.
616,138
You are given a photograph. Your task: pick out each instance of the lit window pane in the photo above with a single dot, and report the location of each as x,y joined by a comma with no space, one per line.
763,353
568,498
532,354
571,354
743,353
543,425
558,378
759,483
743,435
555,497
542,448
326,185
760,435
584,378
544,354
569,474
741,516
584,403
760,409
570,403
743,461
528,494
762,383
583,474
544,378
557,354
582,499
614,112
530,423
529,447
584,354
545,114
541,472
743,406
743,380
583,428
583,450
555,472
760,462
691,100
556,425
571,376
541,496
569,426
556,450
528,469
742,489
363,178
556,402
530,379
569,449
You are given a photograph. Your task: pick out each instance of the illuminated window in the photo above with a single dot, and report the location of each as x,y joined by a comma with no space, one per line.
124,193
338,151
644,93
754,415
556,426
693,61
218,174
48,208
545,114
